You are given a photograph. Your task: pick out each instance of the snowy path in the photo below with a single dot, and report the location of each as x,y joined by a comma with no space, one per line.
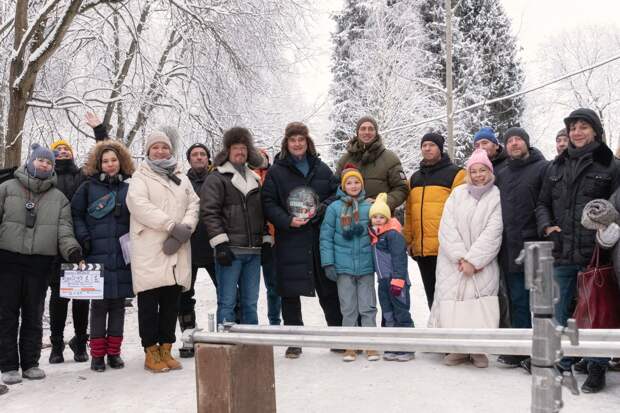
317,382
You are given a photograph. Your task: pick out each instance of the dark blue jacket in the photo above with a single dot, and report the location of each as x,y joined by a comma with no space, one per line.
389,251
296,249
103,233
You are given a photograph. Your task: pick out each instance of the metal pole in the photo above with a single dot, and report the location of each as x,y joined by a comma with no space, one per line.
602,335
449,95
547,378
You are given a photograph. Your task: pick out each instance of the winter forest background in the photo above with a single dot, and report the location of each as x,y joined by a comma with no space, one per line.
204,66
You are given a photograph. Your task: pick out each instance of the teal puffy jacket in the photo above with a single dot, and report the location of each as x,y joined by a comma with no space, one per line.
349,256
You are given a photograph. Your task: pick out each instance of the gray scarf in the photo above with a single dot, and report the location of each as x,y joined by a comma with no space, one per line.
165,167
478,191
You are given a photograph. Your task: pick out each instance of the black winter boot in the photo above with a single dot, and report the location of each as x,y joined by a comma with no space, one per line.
58,346
97,364
596,378
78,345
115,362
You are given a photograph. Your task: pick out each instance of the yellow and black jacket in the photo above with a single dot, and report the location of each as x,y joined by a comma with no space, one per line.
430,187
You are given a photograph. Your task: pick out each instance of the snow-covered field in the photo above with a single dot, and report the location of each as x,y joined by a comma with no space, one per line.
317,382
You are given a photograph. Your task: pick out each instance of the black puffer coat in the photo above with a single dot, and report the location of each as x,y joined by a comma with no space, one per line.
202,253
519,184
296,249
569,184
500,161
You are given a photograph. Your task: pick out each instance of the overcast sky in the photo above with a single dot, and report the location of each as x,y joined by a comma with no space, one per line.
533,21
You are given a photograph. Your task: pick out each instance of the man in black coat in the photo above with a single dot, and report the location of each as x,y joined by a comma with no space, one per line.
199,159
519,184
298,259
485,139
586,170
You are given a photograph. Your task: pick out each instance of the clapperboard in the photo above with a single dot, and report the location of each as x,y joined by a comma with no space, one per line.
81,284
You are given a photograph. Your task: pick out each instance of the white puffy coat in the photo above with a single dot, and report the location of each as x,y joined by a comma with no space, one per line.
156,204
472,230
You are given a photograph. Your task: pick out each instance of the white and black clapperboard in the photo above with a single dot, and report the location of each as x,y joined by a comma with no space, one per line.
81,284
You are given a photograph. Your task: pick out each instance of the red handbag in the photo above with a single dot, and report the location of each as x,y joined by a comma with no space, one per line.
598,299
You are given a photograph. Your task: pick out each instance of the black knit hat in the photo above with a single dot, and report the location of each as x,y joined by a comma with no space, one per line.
198,145
436,138
589,116
516,131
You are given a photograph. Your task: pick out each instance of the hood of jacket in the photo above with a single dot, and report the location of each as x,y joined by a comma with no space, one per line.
34,185
365,153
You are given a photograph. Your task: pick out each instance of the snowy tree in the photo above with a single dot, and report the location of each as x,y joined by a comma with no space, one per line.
388,82
598,89
200,66
351,24
485,65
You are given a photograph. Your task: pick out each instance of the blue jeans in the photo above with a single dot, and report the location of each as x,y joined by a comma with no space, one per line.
395,310
566,278
274,302
244,273
520,314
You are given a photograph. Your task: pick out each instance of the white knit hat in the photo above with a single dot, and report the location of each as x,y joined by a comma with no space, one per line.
157,137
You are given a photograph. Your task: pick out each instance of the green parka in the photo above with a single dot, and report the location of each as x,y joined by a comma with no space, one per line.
381,169
53,227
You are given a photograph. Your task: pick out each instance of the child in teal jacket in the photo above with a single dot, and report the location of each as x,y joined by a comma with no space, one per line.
346,254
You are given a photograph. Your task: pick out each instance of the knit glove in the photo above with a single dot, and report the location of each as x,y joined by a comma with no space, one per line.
171,245
181,232
396,286
330,273
223,254
609,236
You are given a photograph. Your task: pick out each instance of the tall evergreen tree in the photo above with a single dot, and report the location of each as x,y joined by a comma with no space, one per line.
485,65
351,23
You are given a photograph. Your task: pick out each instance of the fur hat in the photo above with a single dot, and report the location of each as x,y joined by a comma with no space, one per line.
61,142
479,156
238,135
292,129
157,137
380,207
349,171
93,163
589,116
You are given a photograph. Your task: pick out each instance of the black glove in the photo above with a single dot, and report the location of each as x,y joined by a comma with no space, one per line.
181,232
223,255
266,253
86,248
171,245
75,256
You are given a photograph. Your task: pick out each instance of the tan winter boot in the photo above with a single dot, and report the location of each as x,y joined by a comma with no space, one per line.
167,358
153,361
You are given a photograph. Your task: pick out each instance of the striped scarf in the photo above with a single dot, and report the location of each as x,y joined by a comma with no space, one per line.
350,218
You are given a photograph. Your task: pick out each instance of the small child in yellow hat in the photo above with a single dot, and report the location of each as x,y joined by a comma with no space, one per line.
390,255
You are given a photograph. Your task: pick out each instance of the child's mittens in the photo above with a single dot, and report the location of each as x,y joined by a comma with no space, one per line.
608,237
396,286
330,273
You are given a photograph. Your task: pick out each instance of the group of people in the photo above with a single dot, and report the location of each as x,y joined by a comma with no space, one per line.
312,230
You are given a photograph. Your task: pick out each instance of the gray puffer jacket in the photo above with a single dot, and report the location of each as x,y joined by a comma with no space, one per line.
53,227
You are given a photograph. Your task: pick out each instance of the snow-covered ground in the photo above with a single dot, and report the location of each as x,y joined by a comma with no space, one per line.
317,382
